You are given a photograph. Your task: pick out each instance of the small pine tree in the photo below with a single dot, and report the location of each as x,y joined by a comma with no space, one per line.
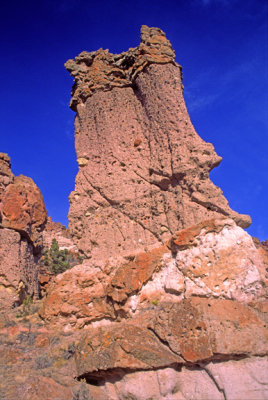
56,260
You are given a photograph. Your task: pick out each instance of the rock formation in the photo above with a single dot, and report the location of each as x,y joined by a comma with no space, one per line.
143,170
171,301
55,230
22,219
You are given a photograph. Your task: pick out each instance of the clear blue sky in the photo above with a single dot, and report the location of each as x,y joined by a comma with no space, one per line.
221,44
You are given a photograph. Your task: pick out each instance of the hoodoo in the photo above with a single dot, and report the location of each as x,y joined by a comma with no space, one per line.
169,299
143,170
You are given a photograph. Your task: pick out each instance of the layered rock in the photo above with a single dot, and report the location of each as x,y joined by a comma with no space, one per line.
52,361
143,170
183,321
22,219
214,259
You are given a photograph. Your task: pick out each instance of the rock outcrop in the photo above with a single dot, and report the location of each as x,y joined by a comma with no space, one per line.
170,302
55,230
214,259
143,170
22,218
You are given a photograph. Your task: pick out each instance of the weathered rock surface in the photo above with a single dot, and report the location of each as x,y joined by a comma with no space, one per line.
143,170
55,230
22,208
171,303
18,269
6,176
186,332
22,219
144,358
77,297
214,259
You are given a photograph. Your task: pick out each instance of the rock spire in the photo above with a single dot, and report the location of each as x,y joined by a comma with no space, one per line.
143,170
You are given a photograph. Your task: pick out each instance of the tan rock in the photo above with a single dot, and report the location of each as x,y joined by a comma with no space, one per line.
6,176
144,171
82,161
18,269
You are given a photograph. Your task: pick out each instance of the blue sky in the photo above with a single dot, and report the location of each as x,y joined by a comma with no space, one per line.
221,44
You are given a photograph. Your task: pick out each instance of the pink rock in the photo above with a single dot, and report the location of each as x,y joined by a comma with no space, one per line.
22,219
55,230
143,170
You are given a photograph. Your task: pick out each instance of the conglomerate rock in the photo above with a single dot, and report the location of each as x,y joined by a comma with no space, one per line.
143,170
22,219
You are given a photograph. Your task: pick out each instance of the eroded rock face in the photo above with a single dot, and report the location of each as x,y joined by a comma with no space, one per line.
185,319
55,230
214,259
23,209
143,170
171,303
51,361
22,219
232,380
6,176
186,332
18,269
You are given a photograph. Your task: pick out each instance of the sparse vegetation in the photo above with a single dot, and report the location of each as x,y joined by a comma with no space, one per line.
27,307
155,302
43,361
56,260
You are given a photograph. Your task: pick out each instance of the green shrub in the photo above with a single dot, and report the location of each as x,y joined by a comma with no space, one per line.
56,260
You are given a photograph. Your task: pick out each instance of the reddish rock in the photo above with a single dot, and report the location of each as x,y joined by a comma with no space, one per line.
173,297
143,170
215,258
128,346
77,297
42,388
130,277
187,238
22,219
186,332
23,209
